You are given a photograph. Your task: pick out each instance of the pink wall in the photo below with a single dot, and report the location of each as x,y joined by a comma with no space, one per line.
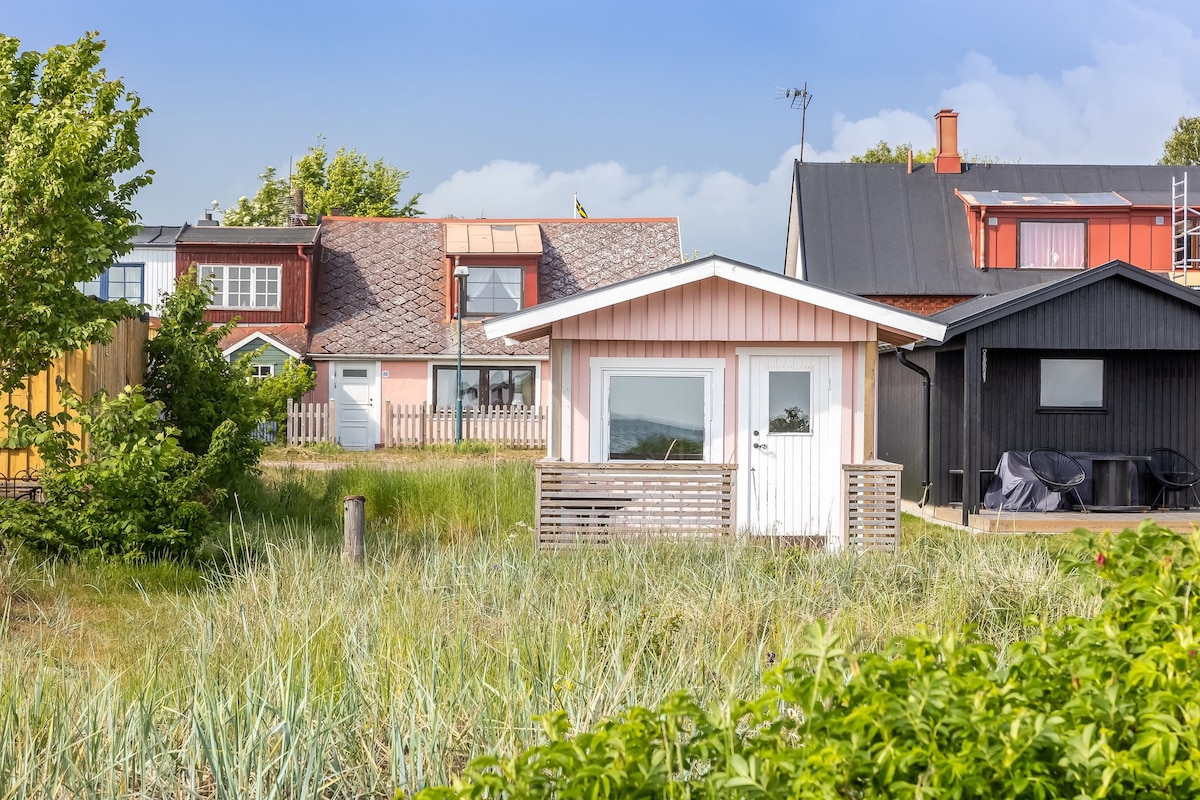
716,310
583,351
407,382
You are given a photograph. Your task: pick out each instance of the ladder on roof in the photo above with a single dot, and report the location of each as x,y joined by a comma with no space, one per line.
1185,235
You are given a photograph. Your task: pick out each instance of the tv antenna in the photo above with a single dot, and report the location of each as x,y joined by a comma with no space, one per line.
798,98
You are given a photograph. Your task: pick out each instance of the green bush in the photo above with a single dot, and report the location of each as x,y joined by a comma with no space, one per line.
136,493
293,382
1101,707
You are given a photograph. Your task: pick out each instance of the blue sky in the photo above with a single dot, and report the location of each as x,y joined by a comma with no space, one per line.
643,108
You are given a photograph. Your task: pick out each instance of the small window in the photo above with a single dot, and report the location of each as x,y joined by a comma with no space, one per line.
1072,384
789,396
1053,245
262,370
118,282
494,290
354,372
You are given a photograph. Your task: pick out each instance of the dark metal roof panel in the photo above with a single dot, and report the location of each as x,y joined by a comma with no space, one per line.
156,235
875,229
230,234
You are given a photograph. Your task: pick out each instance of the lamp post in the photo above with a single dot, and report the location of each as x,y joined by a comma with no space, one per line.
460,280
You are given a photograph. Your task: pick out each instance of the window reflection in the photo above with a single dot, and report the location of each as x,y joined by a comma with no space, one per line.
656,417
789,400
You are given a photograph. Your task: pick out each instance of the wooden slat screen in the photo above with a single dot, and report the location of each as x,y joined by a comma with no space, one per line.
591,503
872,493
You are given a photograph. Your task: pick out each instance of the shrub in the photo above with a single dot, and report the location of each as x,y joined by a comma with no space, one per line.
293,382
1101,707
137,494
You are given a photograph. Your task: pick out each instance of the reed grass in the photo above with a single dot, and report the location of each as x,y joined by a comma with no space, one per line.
286,673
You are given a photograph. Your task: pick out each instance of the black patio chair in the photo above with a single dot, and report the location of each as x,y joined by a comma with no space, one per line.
1057,471
1174,472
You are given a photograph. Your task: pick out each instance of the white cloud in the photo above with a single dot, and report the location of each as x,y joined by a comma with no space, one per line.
719,211
1116,109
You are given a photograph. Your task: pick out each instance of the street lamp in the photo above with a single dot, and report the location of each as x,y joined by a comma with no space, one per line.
460,280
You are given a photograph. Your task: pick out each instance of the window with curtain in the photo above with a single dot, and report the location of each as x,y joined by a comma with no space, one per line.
1053,245
494,290
484,386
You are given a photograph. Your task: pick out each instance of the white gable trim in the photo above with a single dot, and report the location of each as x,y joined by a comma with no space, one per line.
541,316
265,339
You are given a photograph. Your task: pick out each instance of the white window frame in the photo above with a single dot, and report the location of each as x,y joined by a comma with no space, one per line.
473,272
711,369
254,370
217,274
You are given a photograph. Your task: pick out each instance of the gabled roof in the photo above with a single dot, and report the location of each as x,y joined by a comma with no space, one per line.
536,321
233,344
383,286
235,234
875,229
982,310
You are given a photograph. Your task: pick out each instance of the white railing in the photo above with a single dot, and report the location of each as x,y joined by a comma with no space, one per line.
421,425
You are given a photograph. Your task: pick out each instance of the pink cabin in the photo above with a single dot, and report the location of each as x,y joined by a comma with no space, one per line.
712,397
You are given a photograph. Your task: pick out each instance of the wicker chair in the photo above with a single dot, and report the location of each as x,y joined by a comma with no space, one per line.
1174,473
1058,471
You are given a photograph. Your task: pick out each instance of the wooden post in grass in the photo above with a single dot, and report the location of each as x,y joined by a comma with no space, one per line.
353,546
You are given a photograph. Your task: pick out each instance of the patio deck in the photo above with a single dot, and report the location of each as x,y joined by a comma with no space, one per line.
1052,521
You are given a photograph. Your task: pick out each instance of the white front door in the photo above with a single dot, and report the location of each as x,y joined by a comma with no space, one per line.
791,442
353,388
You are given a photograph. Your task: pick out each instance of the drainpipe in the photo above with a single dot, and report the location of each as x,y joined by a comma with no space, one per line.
926,486
308,285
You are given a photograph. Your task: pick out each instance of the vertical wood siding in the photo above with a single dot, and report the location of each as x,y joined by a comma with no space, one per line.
158,277
1131,235
716,310
291,283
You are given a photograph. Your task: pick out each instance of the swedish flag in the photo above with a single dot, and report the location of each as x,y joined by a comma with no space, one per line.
579,209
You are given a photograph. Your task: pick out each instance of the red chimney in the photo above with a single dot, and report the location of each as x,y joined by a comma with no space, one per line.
946,158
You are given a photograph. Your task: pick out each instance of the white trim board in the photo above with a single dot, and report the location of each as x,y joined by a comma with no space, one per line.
266,339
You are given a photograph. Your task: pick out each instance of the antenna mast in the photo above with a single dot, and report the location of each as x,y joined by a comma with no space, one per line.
799,98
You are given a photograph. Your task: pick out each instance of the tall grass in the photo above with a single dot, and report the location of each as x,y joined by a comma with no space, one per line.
295,675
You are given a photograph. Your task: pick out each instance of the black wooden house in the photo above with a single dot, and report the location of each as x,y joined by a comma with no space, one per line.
1107,360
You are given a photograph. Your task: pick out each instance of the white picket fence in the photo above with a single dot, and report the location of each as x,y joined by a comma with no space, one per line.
422,425
308,423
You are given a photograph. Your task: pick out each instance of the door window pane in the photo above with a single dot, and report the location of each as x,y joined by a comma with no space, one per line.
656,417
789,399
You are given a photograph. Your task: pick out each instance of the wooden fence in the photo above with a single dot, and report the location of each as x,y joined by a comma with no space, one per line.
308,423
591,503
872,493
421,425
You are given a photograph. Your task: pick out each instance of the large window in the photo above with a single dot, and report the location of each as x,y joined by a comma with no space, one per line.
119,282
243,286
494,290
657,409
484,386
1053,245
1072,384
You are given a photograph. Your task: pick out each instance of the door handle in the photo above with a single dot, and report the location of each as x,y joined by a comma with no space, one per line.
758,446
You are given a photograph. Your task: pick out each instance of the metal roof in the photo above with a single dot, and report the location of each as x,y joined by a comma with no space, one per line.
233,234
156,235
981,310
481,238
1077,199
875,229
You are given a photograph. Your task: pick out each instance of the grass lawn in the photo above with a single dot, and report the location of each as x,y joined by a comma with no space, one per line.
279,669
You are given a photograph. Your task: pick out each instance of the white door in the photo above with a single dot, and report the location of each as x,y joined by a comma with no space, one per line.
353,389
791,445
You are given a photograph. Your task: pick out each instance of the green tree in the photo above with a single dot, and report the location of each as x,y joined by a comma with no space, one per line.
291,383
69,150
189,374
347,181
1183,145
884,153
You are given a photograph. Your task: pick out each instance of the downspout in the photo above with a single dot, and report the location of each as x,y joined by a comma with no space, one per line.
926,486
308,286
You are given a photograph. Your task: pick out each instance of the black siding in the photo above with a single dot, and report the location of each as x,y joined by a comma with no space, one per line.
901,418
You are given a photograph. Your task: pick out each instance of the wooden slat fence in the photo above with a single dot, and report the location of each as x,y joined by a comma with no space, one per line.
308,423
872,493
421,425
591,503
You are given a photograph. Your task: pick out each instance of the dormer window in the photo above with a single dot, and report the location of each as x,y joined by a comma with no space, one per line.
494,290
1053,245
